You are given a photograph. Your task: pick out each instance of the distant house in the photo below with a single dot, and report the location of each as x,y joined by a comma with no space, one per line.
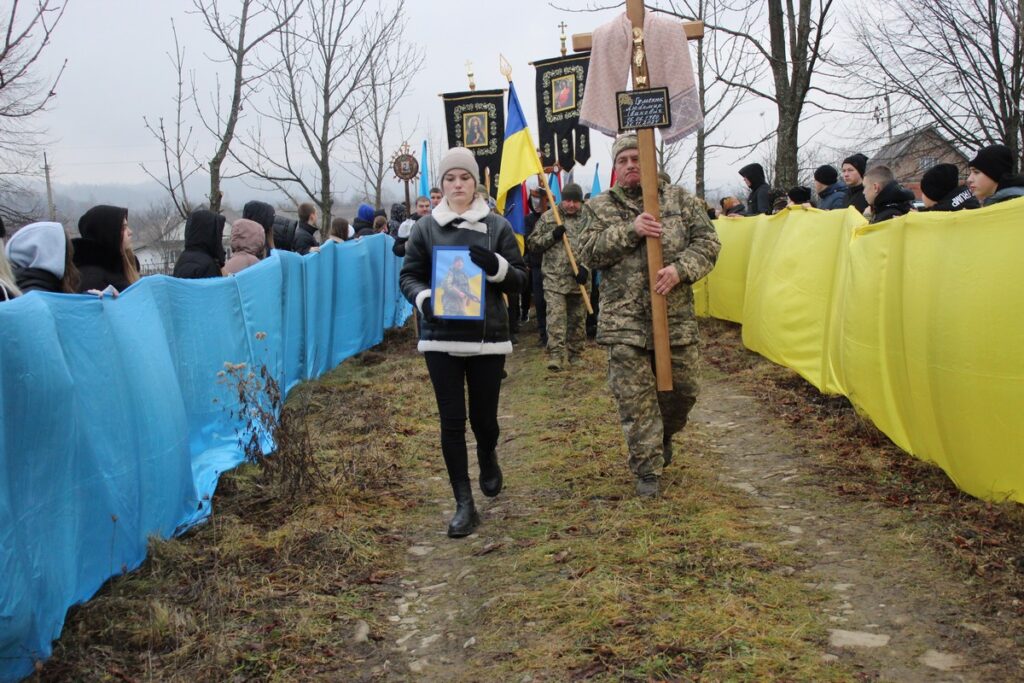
912,153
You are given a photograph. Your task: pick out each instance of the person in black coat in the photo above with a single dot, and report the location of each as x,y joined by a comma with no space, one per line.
305,233
887,198
854,167
204,246
100,253
40,255
264,214
942,191
759,200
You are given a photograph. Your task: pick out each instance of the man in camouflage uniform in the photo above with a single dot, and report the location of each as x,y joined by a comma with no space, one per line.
613,240
566,312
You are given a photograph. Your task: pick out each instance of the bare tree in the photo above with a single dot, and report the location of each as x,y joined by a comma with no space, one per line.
27,28
391,70
179,159
958,66
319,78
239,36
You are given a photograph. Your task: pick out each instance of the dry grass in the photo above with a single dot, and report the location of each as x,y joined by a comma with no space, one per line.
983,540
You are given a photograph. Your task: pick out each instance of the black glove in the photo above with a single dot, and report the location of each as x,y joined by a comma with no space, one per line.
485,258
558,232
428,310
583,275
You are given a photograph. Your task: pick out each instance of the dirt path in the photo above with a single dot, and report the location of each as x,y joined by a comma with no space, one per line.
755,564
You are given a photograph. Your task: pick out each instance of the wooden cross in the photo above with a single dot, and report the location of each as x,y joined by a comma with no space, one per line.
649,182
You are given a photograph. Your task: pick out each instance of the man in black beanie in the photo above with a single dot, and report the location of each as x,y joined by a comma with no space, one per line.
854,167
942,191
831,192
991,178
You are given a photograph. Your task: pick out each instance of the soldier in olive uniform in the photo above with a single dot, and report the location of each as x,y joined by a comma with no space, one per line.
613,240
566,312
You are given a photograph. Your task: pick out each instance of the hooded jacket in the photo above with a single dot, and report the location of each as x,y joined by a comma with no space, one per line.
1010,187
893,200
204,246
759,200
37,254
397,217
97,253
959,198
477,226
262,213
247,241
834,196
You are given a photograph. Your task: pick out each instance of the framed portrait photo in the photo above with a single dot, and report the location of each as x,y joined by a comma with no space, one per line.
457,285
563,93
474,129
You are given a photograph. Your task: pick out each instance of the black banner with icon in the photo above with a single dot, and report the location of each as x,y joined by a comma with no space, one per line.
476,120
560,85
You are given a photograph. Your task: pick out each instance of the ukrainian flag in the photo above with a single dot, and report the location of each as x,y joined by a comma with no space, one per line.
519,161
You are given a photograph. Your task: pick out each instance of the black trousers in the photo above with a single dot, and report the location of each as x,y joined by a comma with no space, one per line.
451,377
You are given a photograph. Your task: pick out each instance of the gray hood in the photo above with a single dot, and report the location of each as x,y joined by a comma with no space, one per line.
39,245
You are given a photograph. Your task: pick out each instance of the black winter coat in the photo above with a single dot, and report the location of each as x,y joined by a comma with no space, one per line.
37,279
305,239
960,198
491,335
264,214
533,257
98,266
857,200
893,200
760,200
204,246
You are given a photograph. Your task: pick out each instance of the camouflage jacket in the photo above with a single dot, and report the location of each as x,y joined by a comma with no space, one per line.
609,243
558,277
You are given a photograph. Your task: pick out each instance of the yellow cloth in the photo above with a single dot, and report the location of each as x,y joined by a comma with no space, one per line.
918,320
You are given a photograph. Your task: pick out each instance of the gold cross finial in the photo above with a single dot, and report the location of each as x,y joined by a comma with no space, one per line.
563,26
469,75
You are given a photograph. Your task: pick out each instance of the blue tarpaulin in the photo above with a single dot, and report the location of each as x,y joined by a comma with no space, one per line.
114,428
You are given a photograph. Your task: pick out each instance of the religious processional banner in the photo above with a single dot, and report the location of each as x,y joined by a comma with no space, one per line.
560,84
476,120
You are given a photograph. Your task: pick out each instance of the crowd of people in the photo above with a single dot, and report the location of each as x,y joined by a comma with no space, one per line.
875,191
569,251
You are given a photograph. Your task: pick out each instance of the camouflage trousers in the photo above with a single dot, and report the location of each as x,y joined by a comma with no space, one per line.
566,324
650,418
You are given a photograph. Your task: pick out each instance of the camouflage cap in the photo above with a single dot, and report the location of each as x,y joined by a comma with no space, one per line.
624,142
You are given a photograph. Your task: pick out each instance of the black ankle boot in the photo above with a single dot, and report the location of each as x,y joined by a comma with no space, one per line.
490,474
465,519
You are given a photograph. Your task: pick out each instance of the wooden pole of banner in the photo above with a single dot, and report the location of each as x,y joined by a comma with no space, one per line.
565,242
649,184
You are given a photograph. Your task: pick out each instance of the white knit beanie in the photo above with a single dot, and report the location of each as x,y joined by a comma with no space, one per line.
460,158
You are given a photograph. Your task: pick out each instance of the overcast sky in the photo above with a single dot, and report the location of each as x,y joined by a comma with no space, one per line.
118,71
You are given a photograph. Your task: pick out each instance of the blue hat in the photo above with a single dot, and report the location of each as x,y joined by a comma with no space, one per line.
365,212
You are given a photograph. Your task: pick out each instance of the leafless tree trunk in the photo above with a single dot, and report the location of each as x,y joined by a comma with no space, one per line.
239,36
392,69
320,78
957,65
26,28
178,148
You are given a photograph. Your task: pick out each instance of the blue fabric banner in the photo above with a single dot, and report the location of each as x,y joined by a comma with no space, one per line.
114,428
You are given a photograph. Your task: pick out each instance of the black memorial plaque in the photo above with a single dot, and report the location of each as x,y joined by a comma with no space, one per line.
643,109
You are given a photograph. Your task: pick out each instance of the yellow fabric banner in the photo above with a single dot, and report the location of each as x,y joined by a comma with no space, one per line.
918,320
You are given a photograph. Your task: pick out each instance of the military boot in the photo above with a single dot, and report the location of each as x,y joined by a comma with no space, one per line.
465,520
490,473
554,362
647,486
668,451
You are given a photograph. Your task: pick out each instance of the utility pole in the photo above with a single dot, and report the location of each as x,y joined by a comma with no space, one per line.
49,189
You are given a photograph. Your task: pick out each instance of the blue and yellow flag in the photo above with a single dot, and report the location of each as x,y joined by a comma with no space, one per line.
519,161
595,188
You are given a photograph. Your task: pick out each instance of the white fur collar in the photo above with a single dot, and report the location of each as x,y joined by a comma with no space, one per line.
472,219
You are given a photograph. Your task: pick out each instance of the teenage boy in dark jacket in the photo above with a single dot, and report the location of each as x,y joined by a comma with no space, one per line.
305,233
942,191
854,167
887,198
759,200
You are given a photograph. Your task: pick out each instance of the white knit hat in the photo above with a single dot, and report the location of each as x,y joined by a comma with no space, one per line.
460,158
